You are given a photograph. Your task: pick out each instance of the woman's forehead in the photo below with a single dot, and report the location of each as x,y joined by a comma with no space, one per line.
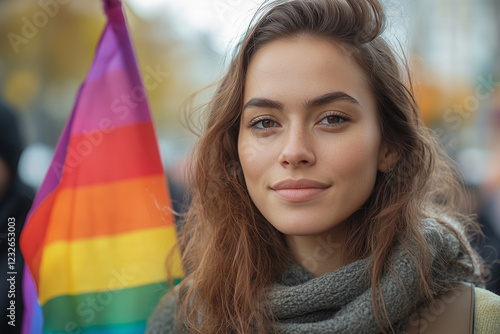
296,70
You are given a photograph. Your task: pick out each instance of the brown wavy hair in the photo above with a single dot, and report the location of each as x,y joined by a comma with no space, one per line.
231,253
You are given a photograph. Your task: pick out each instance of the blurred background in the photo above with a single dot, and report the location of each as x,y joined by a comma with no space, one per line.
453,47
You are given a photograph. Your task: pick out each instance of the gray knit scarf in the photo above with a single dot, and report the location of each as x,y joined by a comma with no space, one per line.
341,301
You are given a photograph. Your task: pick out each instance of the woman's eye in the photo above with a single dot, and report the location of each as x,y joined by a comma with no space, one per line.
333,120
263,124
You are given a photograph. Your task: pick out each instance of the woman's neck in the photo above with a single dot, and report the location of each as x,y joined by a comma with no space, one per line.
319,254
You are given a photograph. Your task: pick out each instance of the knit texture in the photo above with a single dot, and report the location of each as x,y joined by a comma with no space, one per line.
487,320
341,301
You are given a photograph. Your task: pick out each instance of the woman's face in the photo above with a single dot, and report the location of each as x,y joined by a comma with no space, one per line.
309,142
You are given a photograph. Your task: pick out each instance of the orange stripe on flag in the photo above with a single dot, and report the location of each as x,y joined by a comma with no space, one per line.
109,209
111,154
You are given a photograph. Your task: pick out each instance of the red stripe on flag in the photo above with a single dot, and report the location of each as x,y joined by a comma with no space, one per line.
111,154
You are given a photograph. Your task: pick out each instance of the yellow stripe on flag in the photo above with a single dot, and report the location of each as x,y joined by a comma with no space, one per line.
107,263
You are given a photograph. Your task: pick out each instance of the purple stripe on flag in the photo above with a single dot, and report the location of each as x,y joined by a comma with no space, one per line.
114,50
118,94
117,100
114,61
108,56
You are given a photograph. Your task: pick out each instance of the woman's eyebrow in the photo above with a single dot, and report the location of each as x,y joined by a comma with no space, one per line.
330,97
260,102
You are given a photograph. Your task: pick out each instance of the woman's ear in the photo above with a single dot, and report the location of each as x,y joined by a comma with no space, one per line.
387,158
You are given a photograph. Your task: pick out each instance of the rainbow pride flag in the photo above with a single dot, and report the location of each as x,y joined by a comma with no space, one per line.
99,230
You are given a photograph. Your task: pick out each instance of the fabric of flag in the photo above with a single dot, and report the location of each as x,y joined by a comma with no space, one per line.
99,230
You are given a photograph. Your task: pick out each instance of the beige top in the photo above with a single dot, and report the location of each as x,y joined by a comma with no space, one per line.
458,312
487,320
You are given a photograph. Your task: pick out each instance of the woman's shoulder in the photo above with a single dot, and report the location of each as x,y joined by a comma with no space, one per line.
464,309
487,312
163,319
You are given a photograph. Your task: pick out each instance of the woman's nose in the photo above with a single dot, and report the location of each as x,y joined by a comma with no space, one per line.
297,148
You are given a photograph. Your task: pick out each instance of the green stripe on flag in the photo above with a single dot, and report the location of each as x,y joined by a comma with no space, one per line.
130,328
68,313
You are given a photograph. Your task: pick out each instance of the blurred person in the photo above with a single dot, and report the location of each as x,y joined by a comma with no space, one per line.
15,202
489,216
320,202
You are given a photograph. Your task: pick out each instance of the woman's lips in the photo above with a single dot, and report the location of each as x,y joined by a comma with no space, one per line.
299,195
299,190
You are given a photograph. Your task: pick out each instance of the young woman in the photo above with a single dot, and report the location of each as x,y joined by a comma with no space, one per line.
320,203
